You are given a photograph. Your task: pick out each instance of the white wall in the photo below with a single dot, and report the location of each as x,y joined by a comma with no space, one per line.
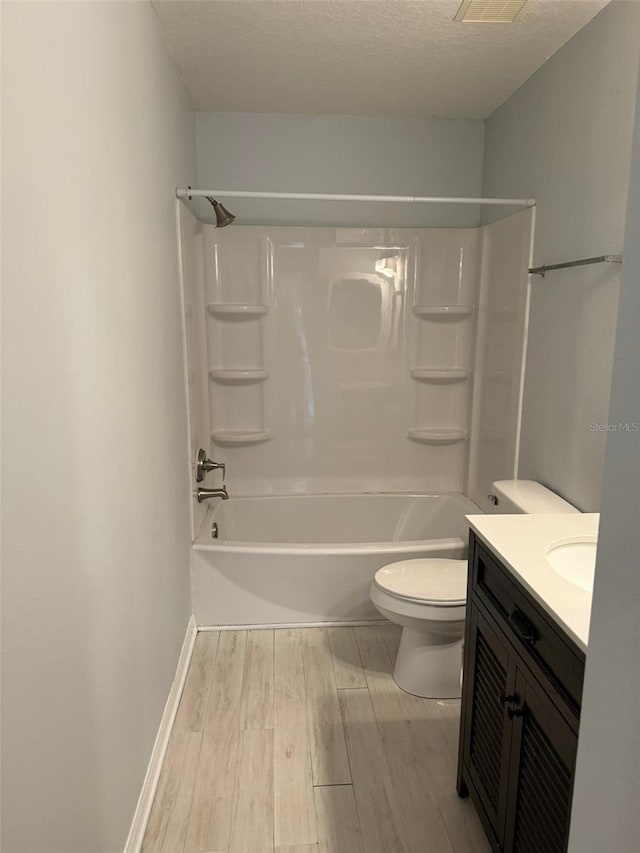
607,787
97,132
341,154
565,138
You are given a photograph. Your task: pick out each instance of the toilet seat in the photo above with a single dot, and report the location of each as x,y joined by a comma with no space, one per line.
428,598
435,582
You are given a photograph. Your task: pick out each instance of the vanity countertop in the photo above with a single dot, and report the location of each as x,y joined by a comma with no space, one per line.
521,543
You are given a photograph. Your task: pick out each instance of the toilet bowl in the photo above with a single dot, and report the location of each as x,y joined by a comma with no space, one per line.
427,597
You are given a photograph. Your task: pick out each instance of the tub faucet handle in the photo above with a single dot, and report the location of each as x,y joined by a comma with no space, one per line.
203,465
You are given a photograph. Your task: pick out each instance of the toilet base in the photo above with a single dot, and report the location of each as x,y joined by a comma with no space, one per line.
429,665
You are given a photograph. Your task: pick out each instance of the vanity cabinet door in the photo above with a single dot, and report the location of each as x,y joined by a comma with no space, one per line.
487,734
543,751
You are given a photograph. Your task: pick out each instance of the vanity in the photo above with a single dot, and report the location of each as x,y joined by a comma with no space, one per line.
527,623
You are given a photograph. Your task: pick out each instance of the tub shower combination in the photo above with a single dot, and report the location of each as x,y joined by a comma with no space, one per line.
358,384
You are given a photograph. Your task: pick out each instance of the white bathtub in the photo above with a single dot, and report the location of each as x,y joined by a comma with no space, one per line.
310,558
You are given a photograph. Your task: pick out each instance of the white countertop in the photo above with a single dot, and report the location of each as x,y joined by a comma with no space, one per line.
521,543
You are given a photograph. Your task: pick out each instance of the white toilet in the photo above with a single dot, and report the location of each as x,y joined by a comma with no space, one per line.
428,598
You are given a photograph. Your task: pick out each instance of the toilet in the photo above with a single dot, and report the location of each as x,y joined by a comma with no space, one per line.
428,597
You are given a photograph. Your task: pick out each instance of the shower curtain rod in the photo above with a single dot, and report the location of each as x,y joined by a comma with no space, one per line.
188,192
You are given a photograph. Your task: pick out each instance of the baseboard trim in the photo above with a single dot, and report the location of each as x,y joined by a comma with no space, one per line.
345,623
145,800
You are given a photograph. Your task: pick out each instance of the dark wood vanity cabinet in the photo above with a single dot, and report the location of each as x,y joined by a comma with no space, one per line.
521,695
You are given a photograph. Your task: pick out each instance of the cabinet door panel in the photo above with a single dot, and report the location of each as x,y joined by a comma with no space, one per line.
542,761
487,739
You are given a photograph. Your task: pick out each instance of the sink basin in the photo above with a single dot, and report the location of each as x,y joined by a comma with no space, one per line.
575,560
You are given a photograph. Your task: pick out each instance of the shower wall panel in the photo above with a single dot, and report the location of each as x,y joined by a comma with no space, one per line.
192,281
500,354
339,359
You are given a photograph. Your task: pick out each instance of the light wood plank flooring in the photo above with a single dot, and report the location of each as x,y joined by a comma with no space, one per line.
299,741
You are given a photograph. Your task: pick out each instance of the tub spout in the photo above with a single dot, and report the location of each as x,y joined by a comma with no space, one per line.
207,494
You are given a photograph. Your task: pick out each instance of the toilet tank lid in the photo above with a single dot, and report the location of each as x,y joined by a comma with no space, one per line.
530,497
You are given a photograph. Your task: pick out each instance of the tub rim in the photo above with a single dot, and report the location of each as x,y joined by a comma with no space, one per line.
327,549
405,546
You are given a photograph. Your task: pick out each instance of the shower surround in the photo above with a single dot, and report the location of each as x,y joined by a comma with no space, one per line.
339,359
345,361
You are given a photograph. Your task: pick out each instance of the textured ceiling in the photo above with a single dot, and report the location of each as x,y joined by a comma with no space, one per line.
360,57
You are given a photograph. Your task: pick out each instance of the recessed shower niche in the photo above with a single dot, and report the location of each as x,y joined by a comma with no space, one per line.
354,359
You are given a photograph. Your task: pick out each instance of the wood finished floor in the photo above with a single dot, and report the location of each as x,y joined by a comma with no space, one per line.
299,741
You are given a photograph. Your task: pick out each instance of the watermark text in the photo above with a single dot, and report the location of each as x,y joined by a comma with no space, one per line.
621,426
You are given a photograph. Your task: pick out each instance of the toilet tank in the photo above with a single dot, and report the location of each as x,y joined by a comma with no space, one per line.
526,497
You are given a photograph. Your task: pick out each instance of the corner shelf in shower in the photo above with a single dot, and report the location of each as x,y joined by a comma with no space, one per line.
440,374
443,312
238,374
240,436
236,311
437,436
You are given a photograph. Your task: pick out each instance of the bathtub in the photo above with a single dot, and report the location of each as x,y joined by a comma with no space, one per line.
308,559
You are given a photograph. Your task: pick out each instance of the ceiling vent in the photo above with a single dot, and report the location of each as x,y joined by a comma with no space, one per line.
489,11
